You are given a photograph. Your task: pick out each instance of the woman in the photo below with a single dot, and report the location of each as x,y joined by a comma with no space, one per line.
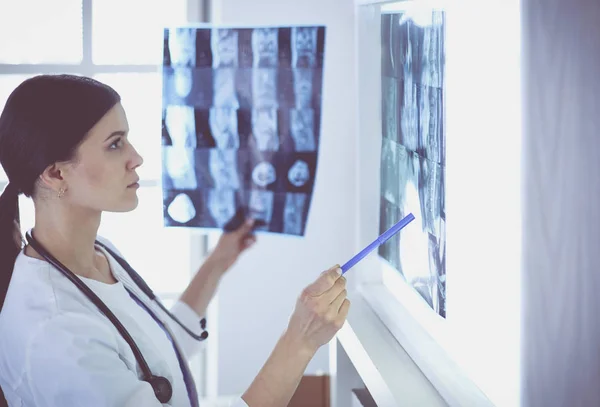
63,142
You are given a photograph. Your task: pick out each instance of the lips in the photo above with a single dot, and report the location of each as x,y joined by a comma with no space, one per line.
134,184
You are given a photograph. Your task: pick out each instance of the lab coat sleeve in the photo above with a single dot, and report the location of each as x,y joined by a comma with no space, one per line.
191,320
83,367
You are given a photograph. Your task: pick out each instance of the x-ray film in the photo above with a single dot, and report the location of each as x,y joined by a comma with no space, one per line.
241,124
413,149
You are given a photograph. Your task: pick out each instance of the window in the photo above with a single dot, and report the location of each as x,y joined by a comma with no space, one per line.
41,32
389,137
118,42
476,340
91,38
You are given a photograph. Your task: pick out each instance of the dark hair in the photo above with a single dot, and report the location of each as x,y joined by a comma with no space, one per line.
43,122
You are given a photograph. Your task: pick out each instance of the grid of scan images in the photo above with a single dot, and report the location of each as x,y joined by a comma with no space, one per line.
413,149
241,125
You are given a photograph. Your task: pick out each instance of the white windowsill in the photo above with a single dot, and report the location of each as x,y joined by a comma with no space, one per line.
397,360
386,369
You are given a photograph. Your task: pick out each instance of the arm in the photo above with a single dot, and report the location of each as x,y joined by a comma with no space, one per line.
192,306
203,286
195,299
277,381
73,361
320,312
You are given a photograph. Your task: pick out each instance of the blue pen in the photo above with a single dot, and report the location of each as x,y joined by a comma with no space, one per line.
378,242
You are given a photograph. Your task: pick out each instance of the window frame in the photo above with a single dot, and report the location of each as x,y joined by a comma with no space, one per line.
86,67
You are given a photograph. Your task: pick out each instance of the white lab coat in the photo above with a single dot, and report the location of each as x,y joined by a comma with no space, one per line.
58,349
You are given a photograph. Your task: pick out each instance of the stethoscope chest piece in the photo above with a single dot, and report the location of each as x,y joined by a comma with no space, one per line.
162,388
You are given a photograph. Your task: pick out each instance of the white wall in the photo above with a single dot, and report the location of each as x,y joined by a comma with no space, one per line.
561,280
255,300
561,157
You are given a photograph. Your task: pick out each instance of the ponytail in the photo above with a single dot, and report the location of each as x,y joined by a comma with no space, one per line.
10,237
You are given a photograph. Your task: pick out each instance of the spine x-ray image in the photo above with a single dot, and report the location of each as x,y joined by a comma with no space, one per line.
241,124
413,149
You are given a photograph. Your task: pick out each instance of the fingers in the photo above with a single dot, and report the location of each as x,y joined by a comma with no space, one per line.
246,228
336,304
338,310
325,282
343,313
330,295
249,241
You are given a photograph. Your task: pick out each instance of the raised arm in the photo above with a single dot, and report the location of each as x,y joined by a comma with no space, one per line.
320,312
203,286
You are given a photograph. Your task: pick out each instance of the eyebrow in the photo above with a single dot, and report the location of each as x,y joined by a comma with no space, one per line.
116,133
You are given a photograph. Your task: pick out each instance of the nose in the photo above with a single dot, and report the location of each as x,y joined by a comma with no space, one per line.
135,161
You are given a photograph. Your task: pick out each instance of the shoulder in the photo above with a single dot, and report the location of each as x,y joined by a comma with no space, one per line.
36,295
29,302
33,283
44,321
109,244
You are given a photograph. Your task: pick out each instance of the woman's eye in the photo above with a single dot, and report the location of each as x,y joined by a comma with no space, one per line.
116,144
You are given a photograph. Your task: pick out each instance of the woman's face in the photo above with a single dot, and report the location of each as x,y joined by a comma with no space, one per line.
103,176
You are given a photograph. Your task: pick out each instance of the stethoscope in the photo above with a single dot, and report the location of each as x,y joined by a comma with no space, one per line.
163,389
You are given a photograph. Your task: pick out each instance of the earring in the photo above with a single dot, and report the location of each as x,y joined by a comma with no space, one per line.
61,193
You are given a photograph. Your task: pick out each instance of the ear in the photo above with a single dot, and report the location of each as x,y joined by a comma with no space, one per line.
53,176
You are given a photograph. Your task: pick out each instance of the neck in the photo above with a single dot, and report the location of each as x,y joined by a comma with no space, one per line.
68,234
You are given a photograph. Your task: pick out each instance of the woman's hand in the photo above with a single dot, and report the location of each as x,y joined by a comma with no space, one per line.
321,310
232,244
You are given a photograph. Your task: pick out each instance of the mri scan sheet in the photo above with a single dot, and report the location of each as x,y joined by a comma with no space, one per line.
413,164
241,120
